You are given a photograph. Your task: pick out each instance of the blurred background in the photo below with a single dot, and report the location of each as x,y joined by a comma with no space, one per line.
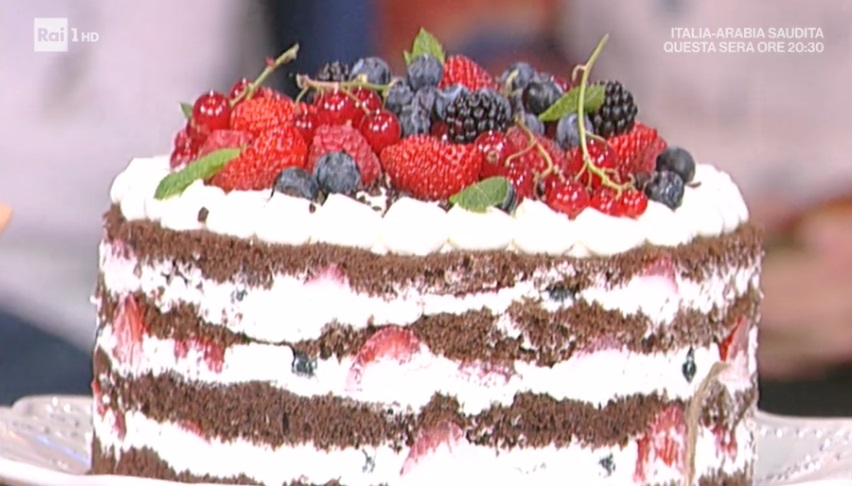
779,123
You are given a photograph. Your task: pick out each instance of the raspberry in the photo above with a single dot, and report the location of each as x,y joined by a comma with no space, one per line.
344,138
220,139
211,111
334,72
430,169
259,115
381,129
637,150
335,107
183,151
567,197
478,112
464,71
258,165
527,164
618,112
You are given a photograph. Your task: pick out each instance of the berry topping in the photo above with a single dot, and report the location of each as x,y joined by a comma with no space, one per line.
335,107
606,201
243,84
424,70
496,148
333,72
567,197
603,158
735,343
539,95
238,88
373,70
344,138
389,343
430,169
305,120
633,203
666,188
618,112
129,329
380,129
662,445
637,150
260,163
183,151
296,182
533,123
568,131
471,114
517,76
677,160
368,102
439,131
414,120
211,111
445,96
464,71
445,434
220,139
258,115
399,95
534,159
337,173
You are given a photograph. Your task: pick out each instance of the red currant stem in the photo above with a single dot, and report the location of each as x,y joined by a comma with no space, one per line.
304,92
551,167
287,56
305,82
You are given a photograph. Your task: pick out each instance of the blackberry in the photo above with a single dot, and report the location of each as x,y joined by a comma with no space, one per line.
334,72
375,69
617,115
471,114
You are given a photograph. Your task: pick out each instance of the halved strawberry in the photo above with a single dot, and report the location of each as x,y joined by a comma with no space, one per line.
257,166
390,343
430,169
662,445
445,434
735,343
129,330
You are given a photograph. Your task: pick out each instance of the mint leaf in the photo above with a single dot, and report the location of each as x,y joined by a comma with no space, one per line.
570,102
186,108
425,43
408,57
203,168
482,195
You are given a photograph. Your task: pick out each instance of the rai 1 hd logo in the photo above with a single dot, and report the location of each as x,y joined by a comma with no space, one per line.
54,35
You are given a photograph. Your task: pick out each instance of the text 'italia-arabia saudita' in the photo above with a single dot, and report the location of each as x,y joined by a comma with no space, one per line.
438,276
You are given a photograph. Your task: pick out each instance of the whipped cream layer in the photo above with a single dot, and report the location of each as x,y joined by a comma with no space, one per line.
458,463
712,206
595,377
655,297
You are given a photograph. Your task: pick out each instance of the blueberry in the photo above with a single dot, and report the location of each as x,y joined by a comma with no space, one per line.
665,187
424,70
533,123
520,74
375,69
608,464
414,120
296,182
688,368
510,202
539,95
399,95
302,365
337,173
447,96
562,293
568,131
425,97
679,161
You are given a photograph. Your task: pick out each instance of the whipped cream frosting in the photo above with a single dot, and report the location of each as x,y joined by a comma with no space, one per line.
712,206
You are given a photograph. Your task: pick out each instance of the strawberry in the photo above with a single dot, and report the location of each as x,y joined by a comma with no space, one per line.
334,138
445,434
663,444
129,330
219,139
735,343
257,166
637,149
464,71
394,343
527,163
726,441
431,169
259,115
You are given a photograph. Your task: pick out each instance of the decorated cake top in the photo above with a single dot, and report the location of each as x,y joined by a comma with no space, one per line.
445,156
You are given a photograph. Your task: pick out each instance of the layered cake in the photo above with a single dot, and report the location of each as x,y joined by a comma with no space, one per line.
436,276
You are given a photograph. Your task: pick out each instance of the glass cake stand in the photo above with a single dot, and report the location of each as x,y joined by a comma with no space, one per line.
44,441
